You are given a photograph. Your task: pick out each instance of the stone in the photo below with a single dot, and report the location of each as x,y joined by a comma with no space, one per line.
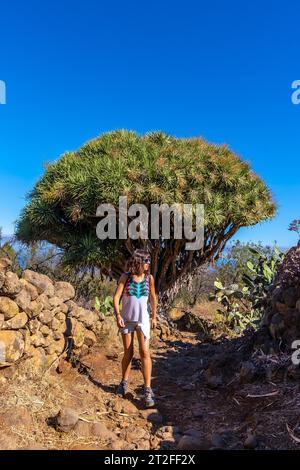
82,429
134,433
42,282
12,285
61,316
290,296
32,290
5,263
38,340
61,309
8,307
1,320
2,279
251,442
23,299
34,325
34,309
101,431
64,290
55,302
11,346
152,415
188,442
66,420
45,330
45,301
56,325
109,330
89,338
87,317
129,408
56,347
46,317
17,322
57,335
77,332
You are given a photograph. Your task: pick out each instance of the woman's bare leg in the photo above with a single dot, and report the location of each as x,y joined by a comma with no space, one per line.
128,354
145,357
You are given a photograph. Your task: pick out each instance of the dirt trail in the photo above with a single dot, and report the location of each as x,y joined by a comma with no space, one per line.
199,399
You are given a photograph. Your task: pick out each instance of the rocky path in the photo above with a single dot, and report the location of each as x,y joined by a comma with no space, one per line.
205,400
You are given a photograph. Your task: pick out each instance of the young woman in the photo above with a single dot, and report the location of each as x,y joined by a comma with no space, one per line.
135,289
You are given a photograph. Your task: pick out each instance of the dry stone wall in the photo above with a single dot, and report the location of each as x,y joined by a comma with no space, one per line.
282,315
39,320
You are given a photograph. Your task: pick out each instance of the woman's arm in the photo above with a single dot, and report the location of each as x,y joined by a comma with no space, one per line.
116,300
153,301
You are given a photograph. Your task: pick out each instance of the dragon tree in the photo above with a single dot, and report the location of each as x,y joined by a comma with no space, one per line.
152,169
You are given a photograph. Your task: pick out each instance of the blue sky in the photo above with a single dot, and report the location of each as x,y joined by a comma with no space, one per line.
218,69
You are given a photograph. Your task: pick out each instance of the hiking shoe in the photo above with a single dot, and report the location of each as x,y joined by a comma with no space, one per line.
149,397
122,388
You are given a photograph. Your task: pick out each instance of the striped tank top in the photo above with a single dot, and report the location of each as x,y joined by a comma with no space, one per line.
135,300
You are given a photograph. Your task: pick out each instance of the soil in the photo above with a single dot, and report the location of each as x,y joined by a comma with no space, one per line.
200,392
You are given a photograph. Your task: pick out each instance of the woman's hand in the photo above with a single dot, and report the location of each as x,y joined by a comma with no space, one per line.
153,323
120,321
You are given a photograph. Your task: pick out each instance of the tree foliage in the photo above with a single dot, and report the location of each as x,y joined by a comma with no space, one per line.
155,168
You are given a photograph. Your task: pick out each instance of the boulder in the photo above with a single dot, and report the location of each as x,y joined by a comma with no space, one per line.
17,322
32,290
11,346
66,420
55,302
87,317
5,264
34,309
34,325
2,279
46,317
8,307
57,325
23,300
100,430
89,338
56,347
64,290
12,285
77,333
42,282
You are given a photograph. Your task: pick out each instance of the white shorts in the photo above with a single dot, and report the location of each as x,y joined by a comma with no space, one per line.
131,326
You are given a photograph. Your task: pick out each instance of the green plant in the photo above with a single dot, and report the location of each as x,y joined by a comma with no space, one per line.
261,272
105,307
152,169
243,306
235,315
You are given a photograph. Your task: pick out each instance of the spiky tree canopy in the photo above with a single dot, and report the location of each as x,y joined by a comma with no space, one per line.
155,168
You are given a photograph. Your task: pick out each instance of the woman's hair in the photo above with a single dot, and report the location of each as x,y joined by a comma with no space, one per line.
135,264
